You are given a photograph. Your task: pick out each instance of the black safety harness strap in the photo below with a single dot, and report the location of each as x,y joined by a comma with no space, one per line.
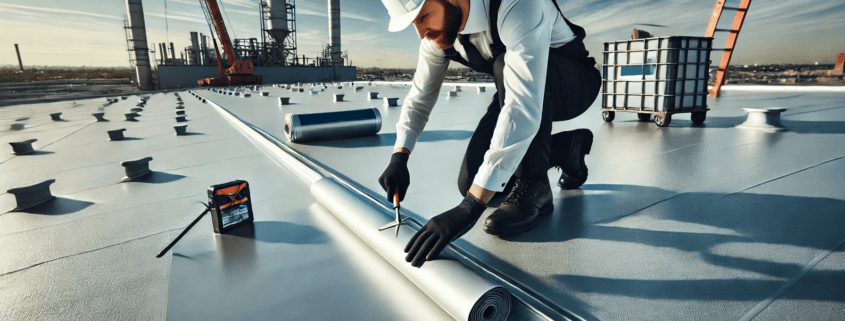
574,49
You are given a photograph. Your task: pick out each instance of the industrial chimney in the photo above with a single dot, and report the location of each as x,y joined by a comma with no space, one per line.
334,31
138,32
20,63
194,54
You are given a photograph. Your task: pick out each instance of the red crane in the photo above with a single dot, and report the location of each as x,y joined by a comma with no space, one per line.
239,71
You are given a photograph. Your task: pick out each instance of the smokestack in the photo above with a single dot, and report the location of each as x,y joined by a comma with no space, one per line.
138,32
194,55
203,50
334,31
162,53
172,52
19,57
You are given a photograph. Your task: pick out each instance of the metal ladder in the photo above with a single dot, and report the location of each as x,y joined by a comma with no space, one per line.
732,36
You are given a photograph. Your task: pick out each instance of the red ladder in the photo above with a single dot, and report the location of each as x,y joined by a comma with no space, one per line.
732,36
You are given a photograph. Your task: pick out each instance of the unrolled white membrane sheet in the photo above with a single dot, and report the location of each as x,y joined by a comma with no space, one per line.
457,289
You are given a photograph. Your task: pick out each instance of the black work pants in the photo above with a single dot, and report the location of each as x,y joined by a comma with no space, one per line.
571,87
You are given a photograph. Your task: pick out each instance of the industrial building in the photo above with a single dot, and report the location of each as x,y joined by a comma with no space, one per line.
274,55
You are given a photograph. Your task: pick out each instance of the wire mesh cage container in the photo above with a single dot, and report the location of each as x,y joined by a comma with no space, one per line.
656,76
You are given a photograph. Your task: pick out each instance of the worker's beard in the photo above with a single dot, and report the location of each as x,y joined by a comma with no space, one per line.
445,38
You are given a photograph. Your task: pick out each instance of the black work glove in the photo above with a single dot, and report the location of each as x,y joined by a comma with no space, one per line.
441,230
396,175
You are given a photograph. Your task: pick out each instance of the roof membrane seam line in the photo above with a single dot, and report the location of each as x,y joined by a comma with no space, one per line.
97,215
45,146
89,251
813,111
610,219
190,145
214,162
306,173
462,256
60,99
680,148
762,305
789,174
89,166
68,135
90,188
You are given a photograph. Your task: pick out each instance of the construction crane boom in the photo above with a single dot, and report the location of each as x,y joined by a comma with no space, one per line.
238,71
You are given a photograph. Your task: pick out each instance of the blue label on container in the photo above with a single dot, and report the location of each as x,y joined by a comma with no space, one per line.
637,70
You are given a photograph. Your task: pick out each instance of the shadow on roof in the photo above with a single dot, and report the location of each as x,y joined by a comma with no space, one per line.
741,231
59,206
389,139
158,178
279,232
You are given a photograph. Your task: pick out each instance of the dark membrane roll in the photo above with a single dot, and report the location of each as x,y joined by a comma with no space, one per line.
339,124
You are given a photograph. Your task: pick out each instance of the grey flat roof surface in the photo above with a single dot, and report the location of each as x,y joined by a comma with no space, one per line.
685,222
706,222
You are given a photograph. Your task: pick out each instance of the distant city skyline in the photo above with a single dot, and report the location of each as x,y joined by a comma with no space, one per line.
90,33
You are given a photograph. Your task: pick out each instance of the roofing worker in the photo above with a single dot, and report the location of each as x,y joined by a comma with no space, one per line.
542,72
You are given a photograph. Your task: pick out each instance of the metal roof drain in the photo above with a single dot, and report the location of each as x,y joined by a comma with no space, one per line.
181,130
24,147
136,168
32,195
764,119
116,134
391,102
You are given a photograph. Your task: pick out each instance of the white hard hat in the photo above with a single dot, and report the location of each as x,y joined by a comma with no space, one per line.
402,13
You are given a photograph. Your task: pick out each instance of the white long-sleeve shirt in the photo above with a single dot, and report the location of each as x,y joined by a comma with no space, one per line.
528,28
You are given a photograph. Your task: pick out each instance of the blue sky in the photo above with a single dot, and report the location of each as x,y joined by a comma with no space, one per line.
90,32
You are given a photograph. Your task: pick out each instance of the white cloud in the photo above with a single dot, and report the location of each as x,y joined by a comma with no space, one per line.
54,10
343,14
185,2
240,3
177,17
244,12
20,12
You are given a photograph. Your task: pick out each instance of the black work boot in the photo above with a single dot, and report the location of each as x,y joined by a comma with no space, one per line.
568,150
518,213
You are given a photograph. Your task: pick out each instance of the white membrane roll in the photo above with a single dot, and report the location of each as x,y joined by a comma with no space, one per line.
457,289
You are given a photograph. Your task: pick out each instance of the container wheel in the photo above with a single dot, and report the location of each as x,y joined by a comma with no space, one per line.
662,121
698,117
644,116
608,116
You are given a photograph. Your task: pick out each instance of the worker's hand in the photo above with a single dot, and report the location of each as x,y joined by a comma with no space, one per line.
442,229
396,176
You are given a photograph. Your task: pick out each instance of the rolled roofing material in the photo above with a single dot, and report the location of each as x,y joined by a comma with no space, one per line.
457,289
340,124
